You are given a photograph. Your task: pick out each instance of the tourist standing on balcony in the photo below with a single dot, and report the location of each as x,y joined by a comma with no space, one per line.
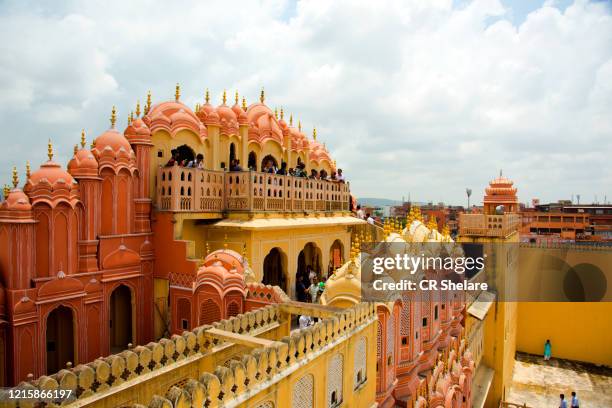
340,176
562,402
369,219
269,167
235,165
313,289
547,350
300,288
174,159
323,175
314,174
283,169
360,212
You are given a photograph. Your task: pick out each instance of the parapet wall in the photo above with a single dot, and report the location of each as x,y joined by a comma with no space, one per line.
184,370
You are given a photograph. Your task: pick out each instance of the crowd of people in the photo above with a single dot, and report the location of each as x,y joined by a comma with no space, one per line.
268,167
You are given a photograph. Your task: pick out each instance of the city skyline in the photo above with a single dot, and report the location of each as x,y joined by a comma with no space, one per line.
462,90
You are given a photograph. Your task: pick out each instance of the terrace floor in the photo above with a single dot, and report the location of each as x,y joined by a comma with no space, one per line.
539,383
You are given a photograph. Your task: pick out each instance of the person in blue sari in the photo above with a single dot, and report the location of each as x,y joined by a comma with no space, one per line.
547,350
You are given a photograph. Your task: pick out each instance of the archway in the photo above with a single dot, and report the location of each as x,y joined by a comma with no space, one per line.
232,153
185,153
266,159
120,318
59,339
336,256
274,269
309,259
252,161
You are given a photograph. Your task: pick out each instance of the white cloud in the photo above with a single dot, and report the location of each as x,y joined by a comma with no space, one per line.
419,97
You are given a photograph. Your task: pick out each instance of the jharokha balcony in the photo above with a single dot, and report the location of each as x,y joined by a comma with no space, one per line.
498,225
183,189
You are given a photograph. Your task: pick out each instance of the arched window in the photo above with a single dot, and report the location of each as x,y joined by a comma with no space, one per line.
360,373
334,380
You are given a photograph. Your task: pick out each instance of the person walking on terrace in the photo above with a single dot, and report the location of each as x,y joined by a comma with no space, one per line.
547,350
562,401
574,403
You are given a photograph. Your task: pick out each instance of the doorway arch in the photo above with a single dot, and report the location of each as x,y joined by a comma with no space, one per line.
232,153
185,153
265,160
336,256
120,318
252,161
59,339
309,258
275,269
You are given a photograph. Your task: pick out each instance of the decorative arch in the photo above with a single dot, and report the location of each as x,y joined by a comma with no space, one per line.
60,344
121,318
336,254
209,312
275,269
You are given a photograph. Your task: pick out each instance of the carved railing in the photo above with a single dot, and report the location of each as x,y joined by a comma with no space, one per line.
197,190
485,225
147,368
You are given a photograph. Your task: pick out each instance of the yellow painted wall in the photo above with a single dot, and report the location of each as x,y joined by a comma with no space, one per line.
577,331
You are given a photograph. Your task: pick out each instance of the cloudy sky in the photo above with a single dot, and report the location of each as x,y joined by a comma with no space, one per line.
414,98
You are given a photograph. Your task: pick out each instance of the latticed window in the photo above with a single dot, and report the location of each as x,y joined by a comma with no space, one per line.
335,373
405,315
379,337
266,404
390,338
209,312
303,392
360,362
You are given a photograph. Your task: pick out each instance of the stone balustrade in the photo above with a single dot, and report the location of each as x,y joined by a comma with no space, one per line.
182,189
105,381
485,225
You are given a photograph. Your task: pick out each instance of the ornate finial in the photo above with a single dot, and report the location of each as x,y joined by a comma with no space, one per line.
148,105
76,149
244,251
6,190
236,99
138,108
197,107
276,113
262,96
225,241
177,92
83,138
15,177
291,119
50,150
113,118
433,224
300,125
27,169
282,114
314,133
224,97
130,118
500,173
244,105
207,96
207,248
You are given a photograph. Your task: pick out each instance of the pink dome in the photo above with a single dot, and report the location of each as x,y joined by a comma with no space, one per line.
263,125
208,114
83,163
51,175
229,258
113,140
16,200
228,119
138,131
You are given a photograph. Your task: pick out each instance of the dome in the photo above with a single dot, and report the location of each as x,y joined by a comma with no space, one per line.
263,125
344,285
50,174
208,114
83,163
229,259
223,279
17,200
228,119
240,114
138,131
111,139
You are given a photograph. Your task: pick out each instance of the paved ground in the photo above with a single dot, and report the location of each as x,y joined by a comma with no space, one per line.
539,383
